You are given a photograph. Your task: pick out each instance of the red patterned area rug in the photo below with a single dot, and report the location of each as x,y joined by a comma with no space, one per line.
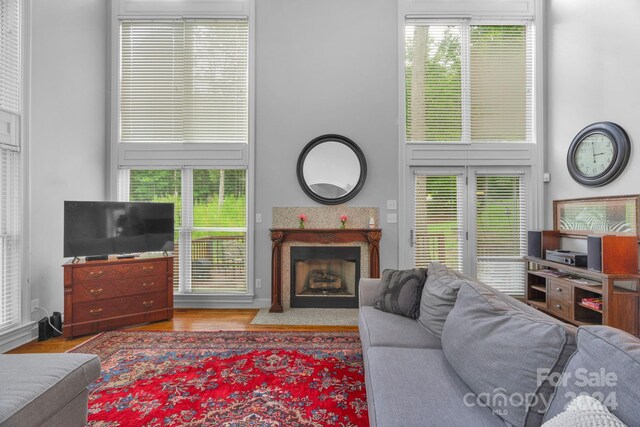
229,379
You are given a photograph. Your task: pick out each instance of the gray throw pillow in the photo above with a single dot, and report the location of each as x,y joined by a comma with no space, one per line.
438,297
505,355
400,291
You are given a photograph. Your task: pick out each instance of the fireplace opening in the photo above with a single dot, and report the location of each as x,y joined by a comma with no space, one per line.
325,277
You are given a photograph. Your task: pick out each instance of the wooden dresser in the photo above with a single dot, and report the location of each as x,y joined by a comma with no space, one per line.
104,295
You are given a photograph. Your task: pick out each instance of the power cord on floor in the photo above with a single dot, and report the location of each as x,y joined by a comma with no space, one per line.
48,319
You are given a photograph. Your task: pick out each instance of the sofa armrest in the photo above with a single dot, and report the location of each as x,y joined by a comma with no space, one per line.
367,291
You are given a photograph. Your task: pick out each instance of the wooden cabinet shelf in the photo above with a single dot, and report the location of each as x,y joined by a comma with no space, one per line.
104,295
558,290
589,307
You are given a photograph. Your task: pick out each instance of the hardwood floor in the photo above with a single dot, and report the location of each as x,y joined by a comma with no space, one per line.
184,320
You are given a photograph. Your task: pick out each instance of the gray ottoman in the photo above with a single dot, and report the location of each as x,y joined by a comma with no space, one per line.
46,389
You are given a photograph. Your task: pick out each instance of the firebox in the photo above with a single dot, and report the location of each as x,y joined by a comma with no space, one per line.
325,277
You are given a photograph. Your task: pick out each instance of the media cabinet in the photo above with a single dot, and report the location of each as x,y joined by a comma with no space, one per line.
104,295
559,289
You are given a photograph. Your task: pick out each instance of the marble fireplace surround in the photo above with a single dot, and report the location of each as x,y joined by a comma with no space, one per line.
321,229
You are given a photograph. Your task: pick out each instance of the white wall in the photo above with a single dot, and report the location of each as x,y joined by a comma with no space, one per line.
68,118
324,67
593,58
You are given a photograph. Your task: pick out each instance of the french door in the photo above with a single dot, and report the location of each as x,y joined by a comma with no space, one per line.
473,219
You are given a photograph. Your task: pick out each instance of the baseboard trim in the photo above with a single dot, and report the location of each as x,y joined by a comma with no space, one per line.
18,336
219,301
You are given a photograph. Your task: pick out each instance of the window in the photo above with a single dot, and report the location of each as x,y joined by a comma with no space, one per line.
439,223
184,81
468,82
501,229
10,165
489,242
210,219
183,137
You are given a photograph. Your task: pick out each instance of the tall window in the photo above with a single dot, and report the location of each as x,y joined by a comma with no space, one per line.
468,83
10,164
185,82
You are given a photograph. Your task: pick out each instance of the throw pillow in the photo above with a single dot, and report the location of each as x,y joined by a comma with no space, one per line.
400,291
438,297
585,411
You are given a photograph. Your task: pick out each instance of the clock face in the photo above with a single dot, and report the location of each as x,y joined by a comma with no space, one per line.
594,155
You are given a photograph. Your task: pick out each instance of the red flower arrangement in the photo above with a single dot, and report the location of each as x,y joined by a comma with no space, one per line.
343,220
302,217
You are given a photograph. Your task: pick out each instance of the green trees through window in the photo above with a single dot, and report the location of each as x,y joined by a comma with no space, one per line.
468,83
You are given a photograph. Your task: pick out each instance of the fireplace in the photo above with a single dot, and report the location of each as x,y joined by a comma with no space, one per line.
325,276
283,240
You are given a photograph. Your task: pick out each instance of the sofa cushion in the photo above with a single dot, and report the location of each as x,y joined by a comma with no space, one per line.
35,386
585,411
606,366
504,354
378,328
417,387
438,297
400,290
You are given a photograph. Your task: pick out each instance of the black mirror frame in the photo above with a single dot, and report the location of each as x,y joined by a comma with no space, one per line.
333,138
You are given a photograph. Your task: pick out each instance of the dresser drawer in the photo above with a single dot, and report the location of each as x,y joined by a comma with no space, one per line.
108,272
559,307
114,307
92,291
560,291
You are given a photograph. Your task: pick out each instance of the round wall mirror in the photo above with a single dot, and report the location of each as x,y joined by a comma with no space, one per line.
331,169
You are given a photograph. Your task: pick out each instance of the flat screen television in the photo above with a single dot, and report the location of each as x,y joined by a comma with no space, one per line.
104,228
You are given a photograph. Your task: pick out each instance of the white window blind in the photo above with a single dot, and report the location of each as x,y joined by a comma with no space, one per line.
501,227
439,227
466,82
10,69
10,165
10,237
184,81
210,254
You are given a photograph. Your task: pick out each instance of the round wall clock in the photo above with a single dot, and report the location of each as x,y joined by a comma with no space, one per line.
598,154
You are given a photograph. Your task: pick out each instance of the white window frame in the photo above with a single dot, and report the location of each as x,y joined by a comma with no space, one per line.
188,155
428,154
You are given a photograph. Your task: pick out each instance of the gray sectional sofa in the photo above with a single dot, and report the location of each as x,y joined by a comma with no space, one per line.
477,357
46,389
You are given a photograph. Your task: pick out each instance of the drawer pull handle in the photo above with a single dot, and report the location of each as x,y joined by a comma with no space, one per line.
147,303
148,268
147,284
558,306
95,311
99,273
559,289
96,291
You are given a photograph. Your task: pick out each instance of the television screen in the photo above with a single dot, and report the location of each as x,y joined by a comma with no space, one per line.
103,228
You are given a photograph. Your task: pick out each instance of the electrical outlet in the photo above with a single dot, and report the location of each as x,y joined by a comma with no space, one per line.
392,218
258,217
258,283
35,303
392,205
